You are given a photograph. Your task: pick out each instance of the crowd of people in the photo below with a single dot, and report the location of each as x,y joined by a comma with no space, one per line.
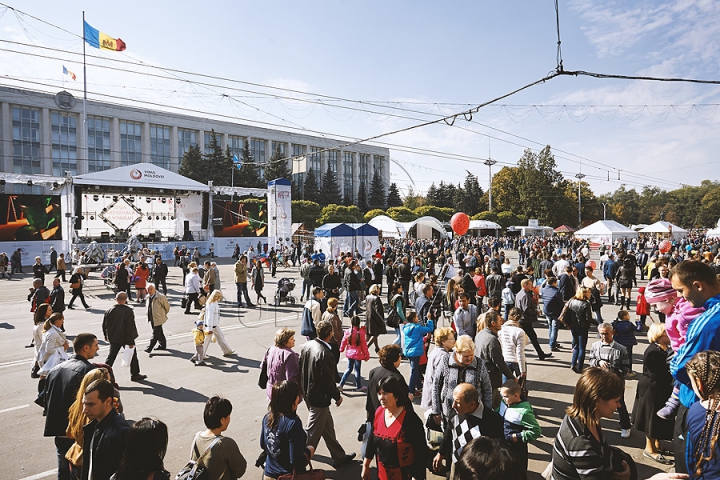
470,378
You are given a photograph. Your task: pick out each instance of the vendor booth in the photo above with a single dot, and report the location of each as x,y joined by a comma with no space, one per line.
387,227
605,232
366,239
334,238
664,230
481,228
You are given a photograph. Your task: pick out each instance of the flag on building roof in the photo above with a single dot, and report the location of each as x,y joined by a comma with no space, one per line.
69,73
98,39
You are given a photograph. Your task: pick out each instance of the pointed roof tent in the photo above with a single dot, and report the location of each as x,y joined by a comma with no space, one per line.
388,226
334,230
564,229
662,227
606,232
363,229
140,175
280,181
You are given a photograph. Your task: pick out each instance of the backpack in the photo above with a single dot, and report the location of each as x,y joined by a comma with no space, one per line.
194,470
393,320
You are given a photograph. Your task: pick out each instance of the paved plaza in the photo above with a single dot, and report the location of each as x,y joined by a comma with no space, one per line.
175,390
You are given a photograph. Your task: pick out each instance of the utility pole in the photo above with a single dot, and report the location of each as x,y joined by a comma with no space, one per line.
604,207
490,162
579,176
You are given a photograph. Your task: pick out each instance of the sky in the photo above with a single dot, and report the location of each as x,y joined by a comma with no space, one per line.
354,70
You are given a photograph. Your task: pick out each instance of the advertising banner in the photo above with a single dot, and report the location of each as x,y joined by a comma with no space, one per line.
30,218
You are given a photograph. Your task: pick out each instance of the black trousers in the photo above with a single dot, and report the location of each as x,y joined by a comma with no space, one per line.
192,299
335,348
112,355
161,281
76,294
530,331
158,337
679,435
61,273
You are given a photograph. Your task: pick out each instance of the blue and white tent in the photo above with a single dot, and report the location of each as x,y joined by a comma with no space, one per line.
334,238
367,239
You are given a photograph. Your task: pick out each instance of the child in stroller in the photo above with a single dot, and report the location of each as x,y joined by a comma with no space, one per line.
285,286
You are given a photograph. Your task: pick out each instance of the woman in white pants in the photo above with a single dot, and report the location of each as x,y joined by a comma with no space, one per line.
212,324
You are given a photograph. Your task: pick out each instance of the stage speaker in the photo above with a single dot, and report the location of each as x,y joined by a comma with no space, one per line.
78,207
151,237
205,211
186,228
105,237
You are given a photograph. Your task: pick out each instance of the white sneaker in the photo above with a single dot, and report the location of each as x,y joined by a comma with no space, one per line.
625,432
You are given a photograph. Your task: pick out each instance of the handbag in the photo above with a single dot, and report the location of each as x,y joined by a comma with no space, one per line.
75,285
393,319
194,470
183,301
263,380
312,474
202,300
127,357
58,356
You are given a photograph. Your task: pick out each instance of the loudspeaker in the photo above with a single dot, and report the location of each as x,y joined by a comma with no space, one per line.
205,211
186,227
105,237
78,207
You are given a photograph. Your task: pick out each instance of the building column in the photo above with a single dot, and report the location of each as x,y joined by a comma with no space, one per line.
175,154
82,145
145,143
115,153
341,172
6,148
356,176
224,141
45,142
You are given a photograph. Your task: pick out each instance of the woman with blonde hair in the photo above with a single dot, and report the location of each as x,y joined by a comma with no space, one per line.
578,316
212,324
53,338
444,343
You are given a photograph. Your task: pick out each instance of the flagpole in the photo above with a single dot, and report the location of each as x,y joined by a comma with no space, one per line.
85,130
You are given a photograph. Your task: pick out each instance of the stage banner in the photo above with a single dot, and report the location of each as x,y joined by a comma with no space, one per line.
30,250
224,247
279,212
26,218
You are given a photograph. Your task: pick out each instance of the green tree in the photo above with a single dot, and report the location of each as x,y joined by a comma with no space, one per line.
217,163
401,214
249,175
193,165
486,215
469,198
441,214
348,199
306,212
362,201
330,193
277,167
507,219
393,197
373,213
413,200
311,188
377,197
340,214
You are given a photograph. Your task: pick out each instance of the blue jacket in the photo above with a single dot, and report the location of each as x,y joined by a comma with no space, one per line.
414,333
610,268
285,446
552,301
703,334
624,333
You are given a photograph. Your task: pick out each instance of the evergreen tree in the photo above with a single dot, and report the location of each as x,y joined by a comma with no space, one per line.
249,174
217,163
348,199
330,193
192,165
277,167
312,190
431,196
393,198
362,202
377,192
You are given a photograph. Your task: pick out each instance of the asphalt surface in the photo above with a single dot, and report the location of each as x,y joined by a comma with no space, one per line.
176,390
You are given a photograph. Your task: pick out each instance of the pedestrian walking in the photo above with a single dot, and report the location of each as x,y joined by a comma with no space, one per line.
120,331
157,312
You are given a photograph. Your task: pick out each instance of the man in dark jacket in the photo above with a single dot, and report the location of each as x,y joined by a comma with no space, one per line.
105,434
316,273
160,274
120,330
404,275
61,388
317,376
553,304
57,297
525,301
610,268
39,270
488,349
567,284
331,283
495,283
352,289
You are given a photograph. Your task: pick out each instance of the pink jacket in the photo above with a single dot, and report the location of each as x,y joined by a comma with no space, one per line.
678,321
356,352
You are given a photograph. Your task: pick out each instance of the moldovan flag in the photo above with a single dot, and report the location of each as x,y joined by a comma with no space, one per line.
68,72
97,39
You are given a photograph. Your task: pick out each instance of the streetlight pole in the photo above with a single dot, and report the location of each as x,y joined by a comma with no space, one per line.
579,176
490,162
604,211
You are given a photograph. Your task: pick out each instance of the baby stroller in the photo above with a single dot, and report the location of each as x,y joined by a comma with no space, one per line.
108,276
285,286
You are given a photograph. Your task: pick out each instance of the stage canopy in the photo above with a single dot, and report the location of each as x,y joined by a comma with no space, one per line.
666,228
140,175
605,232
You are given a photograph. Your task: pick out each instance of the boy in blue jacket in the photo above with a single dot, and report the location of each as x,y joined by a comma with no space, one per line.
413,333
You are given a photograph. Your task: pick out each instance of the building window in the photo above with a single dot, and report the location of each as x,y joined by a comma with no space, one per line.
98,144
379,165
333,161
236,145
26,140
315,162
257,147
348,184
130,143
160,146
363,173
208,137
299,178
64,143
276,146
186,138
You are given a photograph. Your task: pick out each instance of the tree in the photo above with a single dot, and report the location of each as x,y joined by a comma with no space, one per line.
348,199
486,215
377,197
413,200
441,196
249,172
311,188
193,166
401,214
373,213
469,198
393,197
442,214
305,212
362,201
277,167
330,193
217,163
340,214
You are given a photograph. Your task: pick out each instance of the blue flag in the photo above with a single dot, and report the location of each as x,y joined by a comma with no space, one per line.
237,161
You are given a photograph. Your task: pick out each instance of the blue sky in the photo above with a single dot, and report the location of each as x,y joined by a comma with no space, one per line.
434,58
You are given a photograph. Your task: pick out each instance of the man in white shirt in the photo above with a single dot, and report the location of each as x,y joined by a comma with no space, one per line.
465,316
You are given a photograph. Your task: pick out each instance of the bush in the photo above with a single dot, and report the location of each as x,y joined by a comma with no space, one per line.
340,214
373,213
486,215
442,214
306,212
401,214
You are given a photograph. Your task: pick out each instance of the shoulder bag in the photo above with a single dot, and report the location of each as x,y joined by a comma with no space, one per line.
312,474
194,469
263,380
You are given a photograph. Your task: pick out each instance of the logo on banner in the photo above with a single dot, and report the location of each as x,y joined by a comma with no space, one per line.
135,174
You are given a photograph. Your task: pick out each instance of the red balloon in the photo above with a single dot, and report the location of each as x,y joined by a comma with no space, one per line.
592,264
460,223
664,246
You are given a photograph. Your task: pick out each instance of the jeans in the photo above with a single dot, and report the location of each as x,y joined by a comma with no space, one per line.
580,338
514,368
598,317
508,306
398,340
242,290
414,373
623,413
352,364
406,291
552,331
307,287
351,303
62,445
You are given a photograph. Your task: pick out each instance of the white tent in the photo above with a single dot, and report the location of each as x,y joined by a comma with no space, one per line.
425,226
605,232
665,229
387,227
334,238
477,225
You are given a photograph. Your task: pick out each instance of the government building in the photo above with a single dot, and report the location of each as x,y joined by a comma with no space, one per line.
42,134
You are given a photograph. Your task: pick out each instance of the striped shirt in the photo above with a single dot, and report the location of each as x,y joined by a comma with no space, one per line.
578,455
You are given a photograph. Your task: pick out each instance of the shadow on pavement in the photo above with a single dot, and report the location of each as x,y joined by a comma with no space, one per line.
178,395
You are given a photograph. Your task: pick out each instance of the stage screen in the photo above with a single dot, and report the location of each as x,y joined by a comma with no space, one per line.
238,219
30,217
